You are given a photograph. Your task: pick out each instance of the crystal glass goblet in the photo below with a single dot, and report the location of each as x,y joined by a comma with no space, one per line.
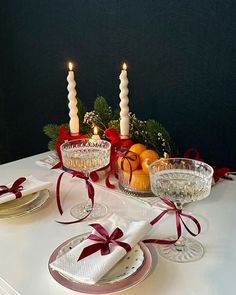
181,180
86,156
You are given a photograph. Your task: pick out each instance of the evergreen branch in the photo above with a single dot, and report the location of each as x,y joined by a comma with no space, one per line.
150,133
81,109
51,130
103,110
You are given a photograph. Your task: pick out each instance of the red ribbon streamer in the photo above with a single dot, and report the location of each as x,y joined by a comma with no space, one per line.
90,189
113,170
124,156
64,135
16,188
179,219
104,240
117,144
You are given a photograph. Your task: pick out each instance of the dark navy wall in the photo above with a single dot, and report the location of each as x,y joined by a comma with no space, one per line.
181,58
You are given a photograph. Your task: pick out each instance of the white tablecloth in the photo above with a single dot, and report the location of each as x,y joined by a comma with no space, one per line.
26,243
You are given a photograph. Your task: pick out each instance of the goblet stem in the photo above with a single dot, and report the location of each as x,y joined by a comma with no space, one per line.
87,208
183,250
88,205
84,208
179,245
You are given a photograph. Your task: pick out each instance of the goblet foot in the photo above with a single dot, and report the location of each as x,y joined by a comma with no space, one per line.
81,210
185,250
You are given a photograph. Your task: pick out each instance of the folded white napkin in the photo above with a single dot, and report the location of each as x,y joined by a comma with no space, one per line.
30,186
92,268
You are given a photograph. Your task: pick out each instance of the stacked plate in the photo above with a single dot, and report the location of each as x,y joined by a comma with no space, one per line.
24,205
131,270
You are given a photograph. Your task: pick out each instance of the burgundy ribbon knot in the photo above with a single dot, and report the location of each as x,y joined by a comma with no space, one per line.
129,156
114,157
179,219
104,240
90,190
16,188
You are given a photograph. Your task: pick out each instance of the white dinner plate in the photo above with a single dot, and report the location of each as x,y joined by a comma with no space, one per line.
17,203
131,270
26,206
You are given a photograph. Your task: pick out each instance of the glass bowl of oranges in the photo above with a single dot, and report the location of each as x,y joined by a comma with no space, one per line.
133,171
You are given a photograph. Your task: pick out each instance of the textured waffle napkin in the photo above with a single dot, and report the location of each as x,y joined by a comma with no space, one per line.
30,186
92,268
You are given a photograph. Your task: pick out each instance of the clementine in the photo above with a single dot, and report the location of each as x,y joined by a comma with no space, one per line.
139,182
145,163
149,154
129,161
138,148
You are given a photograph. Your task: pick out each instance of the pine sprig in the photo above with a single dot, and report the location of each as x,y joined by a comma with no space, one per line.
103,110
51,130
81,109
116,114
150,133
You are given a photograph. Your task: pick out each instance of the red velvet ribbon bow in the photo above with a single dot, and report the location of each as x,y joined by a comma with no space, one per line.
113,135
90,190
16,188
64,135
193,153
103,240
179,219
220,172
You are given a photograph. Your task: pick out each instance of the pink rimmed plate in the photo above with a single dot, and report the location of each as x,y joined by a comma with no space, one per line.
131,270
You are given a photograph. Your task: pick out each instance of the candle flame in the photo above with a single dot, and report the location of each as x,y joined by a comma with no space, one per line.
70,66
95,130
124,66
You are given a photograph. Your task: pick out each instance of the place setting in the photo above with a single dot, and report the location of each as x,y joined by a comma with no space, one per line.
22,197
98,262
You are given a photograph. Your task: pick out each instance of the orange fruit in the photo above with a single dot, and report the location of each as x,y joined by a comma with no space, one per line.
139,181
138,148
131,160
149,154
146,158
145,163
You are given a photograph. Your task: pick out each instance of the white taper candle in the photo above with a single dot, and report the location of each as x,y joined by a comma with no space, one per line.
124,101
74,119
